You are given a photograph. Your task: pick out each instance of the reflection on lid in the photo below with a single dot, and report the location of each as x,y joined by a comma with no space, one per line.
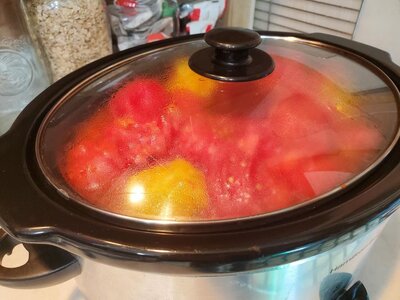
171,190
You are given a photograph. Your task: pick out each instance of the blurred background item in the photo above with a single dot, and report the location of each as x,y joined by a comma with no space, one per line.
136,22
200,16
73,33
367,21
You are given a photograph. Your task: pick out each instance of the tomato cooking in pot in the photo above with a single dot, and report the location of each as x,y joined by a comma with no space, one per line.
192,148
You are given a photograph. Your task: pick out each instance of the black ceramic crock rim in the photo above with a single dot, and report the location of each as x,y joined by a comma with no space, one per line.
36,217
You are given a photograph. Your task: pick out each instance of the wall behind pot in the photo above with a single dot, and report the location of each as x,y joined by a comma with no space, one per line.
378,22
378,25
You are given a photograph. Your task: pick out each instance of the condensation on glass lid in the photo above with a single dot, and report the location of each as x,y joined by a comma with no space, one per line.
177,146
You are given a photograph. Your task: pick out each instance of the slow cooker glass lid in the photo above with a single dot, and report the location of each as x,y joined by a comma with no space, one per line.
148,139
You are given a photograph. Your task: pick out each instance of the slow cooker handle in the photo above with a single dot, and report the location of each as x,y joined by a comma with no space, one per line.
232,56
47,265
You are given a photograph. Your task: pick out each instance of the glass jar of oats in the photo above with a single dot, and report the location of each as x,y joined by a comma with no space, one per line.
72,32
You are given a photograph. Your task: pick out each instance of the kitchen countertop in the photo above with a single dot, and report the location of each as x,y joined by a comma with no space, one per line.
380,274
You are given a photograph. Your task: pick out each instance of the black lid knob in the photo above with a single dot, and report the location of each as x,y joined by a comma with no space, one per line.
232,38
232,57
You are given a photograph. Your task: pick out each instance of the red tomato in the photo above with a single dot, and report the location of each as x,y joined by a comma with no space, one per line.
187,102
358,135
91,165
138,144
92,128
281,186
228,171
272,191
230,197
291,77
194,139
241,98
230,188
298,116
142,99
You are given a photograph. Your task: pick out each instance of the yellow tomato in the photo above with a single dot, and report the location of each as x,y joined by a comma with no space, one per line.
183,78
173,190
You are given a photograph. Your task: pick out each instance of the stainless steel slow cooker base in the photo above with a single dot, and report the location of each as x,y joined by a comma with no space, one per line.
321,277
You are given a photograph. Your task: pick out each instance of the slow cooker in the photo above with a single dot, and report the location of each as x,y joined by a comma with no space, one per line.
242,165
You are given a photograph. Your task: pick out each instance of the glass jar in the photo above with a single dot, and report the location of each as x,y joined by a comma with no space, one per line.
72,32
23,71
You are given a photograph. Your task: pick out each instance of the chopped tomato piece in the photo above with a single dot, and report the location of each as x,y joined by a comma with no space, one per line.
143,100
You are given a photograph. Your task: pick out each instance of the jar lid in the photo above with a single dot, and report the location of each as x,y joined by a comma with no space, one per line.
148,138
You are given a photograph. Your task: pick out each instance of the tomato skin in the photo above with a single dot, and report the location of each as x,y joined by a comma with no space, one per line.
227,163
91,165
142,99
278,185
137,144
298,115
92,128
358,136
230,188
103,148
